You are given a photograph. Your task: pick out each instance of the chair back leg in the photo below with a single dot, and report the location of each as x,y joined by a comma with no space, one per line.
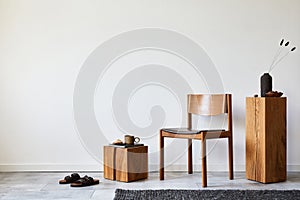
161,150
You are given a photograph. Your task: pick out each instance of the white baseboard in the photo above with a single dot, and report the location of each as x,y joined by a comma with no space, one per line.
48,167
99,168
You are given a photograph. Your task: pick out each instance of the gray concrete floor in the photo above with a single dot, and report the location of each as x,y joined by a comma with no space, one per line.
32,185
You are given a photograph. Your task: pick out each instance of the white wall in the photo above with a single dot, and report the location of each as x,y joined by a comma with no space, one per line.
43,45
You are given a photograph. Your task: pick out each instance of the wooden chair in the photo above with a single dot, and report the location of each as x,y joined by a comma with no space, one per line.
206,105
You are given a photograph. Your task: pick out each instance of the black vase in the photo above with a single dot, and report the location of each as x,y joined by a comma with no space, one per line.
265,84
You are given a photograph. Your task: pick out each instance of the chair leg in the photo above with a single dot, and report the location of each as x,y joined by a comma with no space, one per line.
161,149
230,155
204,171
190,156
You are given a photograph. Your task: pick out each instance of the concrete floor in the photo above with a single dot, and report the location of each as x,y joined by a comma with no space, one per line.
45,185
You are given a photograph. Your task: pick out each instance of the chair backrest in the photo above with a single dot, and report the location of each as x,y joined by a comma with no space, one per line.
209,105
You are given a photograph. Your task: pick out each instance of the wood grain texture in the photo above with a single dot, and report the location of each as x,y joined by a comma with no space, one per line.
275,139
109,162
266,139
260,139
251,135
125,164
131,163
209,135
206,104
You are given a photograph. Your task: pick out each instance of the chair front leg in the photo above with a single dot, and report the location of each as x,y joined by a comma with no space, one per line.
190,156
230,157
204,170
161,149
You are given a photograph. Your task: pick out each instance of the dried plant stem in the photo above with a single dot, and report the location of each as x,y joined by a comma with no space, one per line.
279,60
279,50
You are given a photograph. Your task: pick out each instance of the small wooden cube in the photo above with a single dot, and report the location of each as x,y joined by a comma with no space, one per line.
126,164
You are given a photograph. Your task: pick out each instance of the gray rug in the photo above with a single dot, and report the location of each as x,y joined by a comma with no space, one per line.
206,194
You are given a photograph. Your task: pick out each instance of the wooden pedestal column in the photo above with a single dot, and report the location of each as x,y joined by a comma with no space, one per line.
266,139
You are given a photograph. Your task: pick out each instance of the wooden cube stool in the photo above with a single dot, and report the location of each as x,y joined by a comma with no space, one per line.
125,164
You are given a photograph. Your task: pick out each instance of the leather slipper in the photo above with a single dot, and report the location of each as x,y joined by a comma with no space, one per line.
85,181
70,179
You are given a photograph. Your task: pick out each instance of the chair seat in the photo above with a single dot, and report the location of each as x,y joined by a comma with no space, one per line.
188,131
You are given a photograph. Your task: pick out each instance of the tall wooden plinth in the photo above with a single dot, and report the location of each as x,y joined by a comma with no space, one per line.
266,139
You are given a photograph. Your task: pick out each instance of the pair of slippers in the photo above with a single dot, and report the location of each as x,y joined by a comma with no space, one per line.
76,181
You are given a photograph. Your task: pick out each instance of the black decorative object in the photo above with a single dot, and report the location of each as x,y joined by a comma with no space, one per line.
265,84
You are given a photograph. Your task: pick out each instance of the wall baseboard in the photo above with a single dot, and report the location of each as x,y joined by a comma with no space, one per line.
99,168
48,167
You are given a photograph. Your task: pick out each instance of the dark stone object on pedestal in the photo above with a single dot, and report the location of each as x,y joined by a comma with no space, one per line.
265,84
